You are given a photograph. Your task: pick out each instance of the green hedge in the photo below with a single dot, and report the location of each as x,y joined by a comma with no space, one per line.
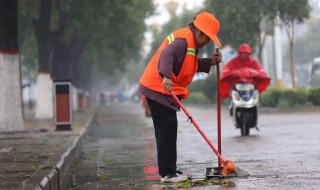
197,98
314,96
290,97
207,87
270,98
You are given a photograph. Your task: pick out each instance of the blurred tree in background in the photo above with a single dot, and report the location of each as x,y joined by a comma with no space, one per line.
79,39
84,38
175,23
290,13
26,37
239,20
307,45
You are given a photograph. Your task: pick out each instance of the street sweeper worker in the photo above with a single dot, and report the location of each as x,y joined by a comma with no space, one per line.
172,68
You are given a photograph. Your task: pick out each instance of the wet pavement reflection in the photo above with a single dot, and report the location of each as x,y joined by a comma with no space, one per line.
120,151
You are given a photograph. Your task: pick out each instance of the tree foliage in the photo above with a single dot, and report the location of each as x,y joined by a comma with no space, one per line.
175,23
98,36
288,9
114,32
290,13
239,20
26,12
308,47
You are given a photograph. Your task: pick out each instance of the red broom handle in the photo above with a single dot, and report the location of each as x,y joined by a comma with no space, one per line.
198,128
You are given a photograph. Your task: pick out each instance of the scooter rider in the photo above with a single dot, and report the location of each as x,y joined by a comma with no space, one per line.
243,59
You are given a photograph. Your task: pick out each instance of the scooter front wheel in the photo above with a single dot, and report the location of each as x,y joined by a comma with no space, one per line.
245,130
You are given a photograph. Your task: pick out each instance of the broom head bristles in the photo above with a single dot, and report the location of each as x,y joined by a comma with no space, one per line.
229,168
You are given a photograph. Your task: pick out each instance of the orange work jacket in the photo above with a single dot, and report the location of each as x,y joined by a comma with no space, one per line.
151,77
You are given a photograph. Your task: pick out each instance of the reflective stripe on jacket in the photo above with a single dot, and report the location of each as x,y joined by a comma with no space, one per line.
151,77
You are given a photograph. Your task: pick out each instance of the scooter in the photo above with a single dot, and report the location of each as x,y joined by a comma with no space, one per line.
244,107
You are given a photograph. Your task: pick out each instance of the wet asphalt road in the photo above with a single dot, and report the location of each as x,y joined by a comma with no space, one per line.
120,151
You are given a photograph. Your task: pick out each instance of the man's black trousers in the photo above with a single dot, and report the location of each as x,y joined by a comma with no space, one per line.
166,125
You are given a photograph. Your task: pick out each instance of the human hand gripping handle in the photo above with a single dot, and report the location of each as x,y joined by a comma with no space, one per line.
216,57
167,84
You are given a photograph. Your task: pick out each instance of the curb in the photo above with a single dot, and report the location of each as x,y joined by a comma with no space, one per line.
58,178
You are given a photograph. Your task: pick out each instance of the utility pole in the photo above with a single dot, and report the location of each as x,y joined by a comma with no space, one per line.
278,53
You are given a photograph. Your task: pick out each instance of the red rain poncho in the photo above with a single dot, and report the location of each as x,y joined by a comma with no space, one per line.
238,70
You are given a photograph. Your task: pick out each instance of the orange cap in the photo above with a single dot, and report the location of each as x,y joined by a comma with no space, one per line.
208,24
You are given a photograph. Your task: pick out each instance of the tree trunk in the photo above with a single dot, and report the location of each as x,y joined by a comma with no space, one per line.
44,83
60,62
43,35
291,41
61,49
261,44
11,118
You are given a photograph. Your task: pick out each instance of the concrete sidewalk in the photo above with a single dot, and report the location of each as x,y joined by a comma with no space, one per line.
40,157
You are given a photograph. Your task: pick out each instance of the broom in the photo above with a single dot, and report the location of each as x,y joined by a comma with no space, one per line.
229,167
